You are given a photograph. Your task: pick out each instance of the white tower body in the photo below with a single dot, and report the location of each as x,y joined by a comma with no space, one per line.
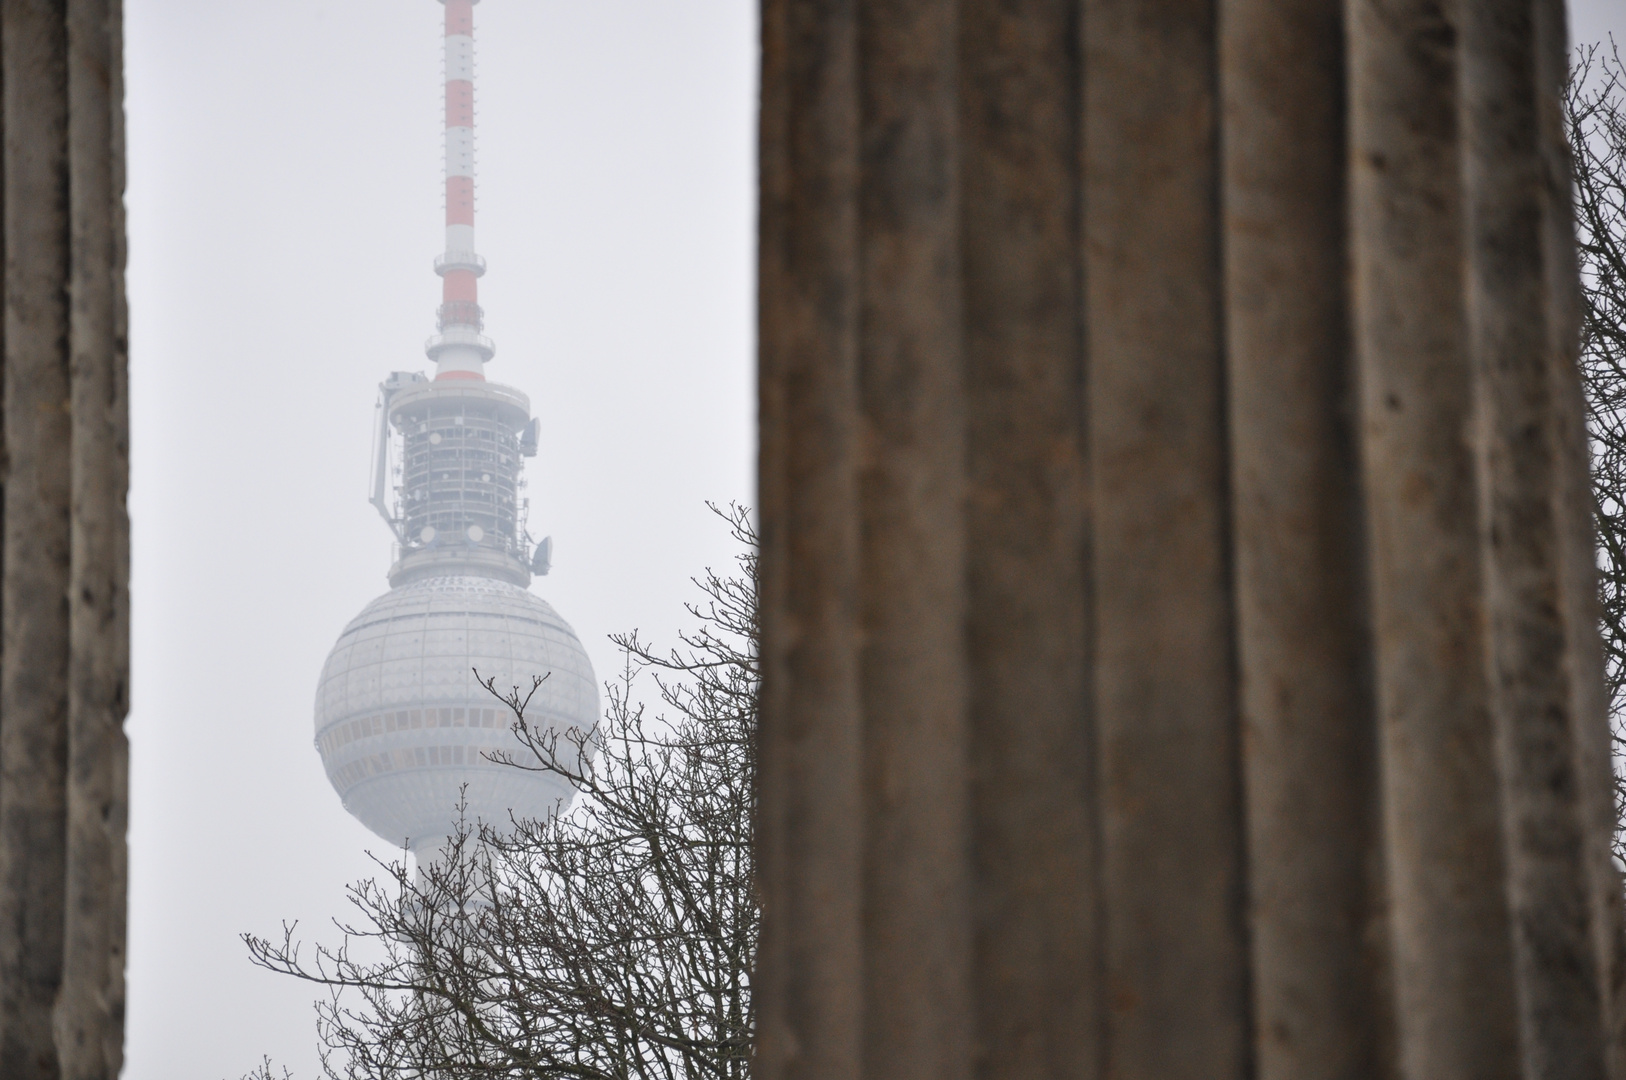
404,728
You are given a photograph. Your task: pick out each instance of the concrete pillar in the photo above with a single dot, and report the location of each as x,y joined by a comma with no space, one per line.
1180,652
64,559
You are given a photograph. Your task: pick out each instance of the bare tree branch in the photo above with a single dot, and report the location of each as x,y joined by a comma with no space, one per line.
1595,106
612,941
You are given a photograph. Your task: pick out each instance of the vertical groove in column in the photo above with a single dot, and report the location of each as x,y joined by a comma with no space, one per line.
1309,750
1172,844
89,1010
772,978
1531,698
1576,544
916,922
118,952
1456,1016
812,830
1037,957
33,598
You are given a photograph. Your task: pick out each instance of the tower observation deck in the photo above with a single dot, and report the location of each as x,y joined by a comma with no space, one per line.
404,729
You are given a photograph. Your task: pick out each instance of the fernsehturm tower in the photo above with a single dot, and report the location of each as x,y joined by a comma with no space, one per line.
401,723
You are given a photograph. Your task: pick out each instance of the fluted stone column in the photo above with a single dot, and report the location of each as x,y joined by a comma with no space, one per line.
64,556
1180,650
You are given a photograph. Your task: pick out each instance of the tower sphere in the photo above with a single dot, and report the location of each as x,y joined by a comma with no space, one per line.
404,729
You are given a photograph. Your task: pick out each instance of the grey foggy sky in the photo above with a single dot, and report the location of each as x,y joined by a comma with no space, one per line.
285,206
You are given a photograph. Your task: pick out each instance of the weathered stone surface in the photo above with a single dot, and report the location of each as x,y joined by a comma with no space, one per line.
1180,651
64,563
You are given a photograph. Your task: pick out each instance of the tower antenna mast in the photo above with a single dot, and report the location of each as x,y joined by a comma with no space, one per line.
460,350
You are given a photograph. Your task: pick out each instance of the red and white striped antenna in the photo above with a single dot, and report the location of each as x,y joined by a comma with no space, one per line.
460,351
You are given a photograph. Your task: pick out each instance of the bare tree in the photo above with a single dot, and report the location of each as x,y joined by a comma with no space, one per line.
614,940
1596,116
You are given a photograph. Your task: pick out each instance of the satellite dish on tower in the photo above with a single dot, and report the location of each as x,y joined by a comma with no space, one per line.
542,559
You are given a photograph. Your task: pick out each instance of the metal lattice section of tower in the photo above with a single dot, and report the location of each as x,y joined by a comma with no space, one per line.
459,498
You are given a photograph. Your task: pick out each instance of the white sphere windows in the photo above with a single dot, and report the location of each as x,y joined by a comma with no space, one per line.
404,729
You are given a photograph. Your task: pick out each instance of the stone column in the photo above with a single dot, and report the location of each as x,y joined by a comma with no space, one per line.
1180,651
64,557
